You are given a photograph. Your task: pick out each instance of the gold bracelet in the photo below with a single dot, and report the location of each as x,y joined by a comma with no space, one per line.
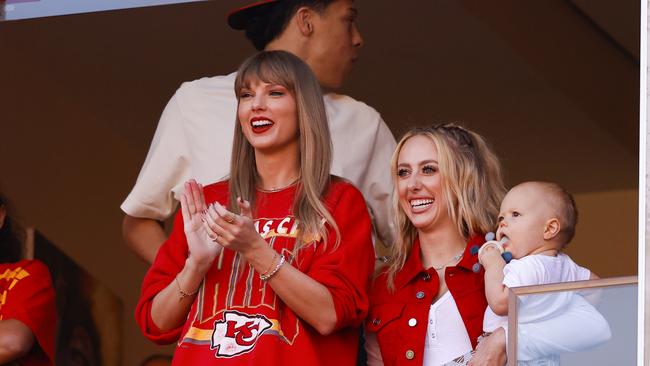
267,276
265,273
182,293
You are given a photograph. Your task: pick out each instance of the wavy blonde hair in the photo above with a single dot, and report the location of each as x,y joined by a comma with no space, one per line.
283,68
472,187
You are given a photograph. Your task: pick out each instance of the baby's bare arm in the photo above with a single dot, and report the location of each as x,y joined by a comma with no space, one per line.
495,291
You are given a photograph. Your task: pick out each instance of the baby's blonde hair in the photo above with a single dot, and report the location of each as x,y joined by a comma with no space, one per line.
564,206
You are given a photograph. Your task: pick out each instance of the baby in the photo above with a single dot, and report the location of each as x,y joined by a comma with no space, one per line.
536,221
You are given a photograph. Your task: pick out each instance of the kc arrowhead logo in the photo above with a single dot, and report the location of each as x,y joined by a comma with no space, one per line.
237,333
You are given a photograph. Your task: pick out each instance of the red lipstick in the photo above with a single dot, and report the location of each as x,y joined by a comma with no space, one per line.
261,124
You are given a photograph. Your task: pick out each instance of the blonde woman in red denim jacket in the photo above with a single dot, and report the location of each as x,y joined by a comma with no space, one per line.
427,306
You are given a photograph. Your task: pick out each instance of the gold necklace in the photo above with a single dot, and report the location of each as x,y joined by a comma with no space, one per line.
272,190
455,258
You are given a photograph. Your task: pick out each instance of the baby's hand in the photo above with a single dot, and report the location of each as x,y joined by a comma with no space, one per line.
490,253
490,245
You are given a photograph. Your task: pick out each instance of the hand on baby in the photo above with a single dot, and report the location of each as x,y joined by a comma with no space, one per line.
491,351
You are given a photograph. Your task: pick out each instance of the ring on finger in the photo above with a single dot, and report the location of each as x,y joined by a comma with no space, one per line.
210,220
230,218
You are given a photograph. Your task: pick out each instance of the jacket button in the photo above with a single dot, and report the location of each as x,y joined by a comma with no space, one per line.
413,322
420,295
410,355
474,250
376,321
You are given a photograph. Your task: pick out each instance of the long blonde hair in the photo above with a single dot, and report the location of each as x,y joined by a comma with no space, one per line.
283,68
471,181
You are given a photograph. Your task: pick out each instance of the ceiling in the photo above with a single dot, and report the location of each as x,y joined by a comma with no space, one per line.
552,84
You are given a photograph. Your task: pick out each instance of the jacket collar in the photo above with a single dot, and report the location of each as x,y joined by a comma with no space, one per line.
413,265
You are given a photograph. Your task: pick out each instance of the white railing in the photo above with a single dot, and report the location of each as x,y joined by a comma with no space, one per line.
589,323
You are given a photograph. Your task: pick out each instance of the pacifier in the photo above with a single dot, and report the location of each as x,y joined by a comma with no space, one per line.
490,241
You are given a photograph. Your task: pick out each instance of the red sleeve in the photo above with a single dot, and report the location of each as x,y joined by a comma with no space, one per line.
31,300
346,270
169,261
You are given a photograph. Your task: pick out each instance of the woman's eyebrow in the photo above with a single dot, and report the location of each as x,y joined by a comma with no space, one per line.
428,161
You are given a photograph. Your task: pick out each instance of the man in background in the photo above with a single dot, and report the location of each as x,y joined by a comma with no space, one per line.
194,135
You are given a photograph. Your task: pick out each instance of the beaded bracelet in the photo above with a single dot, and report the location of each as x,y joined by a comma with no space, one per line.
182,293
275,255
267,276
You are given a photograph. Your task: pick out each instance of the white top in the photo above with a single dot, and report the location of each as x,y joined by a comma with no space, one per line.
575,326
446,336
537,270
194,140
579,327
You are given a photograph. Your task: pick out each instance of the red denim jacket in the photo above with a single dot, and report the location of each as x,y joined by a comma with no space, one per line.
400,338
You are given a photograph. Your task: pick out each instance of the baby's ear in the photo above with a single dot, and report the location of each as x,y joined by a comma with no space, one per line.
551,228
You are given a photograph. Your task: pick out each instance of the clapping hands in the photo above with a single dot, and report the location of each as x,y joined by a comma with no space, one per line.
232,231
203,250
211,228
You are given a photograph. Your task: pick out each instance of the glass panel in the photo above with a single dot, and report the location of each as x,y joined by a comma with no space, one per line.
24,9
579,326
